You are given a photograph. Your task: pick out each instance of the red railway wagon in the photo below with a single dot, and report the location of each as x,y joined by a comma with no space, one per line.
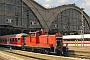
12,40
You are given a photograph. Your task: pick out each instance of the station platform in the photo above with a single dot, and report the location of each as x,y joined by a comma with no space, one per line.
80,49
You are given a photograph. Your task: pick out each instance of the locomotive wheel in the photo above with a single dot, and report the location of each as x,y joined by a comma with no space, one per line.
42,51
35,50
10,48
23,48
47,51
65,50
32,49
58,52
39,50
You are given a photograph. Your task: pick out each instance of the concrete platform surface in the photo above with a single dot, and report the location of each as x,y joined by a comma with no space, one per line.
80,49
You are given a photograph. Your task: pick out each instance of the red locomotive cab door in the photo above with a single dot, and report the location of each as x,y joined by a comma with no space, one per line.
8,41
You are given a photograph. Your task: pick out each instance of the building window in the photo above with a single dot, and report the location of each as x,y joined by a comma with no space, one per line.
9,21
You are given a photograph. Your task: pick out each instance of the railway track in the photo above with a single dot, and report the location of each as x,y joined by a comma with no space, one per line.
18,55
79,54
25,55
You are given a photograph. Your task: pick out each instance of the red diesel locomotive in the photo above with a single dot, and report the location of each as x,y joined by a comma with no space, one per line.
36,41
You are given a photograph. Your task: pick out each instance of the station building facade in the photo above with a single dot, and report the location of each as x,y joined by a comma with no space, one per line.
18,16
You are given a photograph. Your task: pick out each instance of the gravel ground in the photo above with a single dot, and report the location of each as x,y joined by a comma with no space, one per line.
25,55
0,59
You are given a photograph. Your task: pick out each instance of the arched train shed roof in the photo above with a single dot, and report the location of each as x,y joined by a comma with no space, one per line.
46,16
